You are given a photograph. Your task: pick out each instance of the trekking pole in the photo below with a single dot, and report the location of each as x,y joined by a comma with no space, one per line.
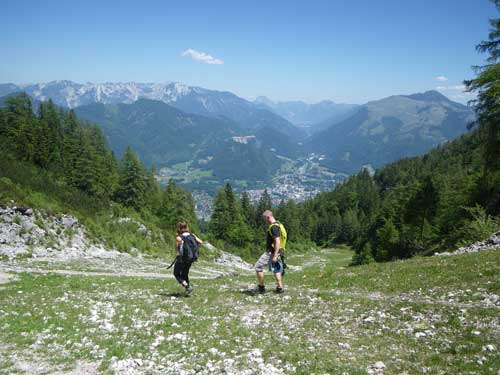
175,260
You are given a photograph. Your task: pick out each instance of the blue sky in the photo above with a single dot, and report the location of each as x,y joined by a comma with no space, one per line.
346,51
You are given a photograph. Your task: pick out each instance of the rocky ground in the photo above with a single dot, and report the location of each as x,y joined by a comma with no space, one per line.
25,232
491,243
32,241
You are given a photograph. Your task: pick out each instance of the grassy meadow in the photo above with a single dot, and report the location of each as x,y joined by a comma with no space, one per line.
434,315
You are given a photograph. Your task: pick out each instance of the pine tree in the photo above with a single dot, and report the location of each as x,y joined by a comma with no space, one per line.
387,241
70,147
422,207
248,210
176,205
85,176
291,220
350,226
48,151
231,199
238,232
228,222
20,123
364,256
487,106
264,203
368,196
132,186
220,219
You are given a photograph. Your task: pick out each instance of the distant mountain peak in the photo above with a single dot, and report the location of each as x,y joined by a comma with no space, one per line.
303,113
385,130
264,100
428,96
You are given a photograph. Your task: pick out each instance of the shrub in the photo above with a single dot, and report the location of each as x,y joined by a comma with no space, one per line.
479,226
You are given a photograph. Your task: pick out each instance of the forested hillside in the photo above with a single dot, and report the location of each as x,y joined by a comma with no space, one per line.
419,205
432,203
415,206
52,160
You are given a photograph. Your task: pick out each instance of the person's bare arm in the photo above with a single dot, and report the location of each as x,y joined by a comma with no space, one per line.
197,239
277,243
178,243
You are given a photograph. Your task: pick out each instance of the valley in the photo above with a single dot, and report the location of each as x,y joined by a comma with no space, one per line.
298,179
201,139
250,188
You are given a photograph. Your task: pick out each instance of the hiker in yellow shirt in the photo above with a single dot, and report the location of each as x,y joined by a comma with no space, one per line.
273,258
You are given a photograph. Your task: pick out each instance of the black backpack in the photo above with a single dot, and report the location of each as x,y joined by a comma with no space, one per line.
189,247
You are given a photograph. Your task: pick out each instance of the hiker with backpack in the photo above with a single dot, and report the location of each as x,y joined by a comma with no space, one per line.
273,258
186,244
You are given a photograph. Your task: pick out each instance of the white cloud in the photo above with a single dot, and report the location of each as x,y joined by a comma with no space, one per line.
202,56
451,88
441,79
457,93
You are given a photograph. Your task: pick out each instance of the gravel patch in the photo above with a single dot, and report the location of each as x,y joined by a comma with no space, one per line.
6,278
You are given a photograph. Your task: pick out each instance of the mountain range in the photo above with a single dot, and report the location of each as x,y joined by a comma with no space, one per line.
306,115
164,136
168,123
389,129
189,99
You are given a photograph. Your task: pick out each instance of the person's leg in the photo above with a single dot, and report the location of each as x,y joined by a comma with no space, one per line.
260,277
279,280
179,273
259,269
186,272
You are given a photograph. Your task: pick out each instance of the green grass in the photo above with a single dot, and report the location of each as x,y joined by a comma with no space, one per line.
421,273
332,318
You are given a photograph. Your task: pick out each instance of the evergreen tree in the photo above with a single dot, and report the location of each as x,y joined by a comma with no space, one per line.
220,219
19,127
85,177
153,191
368,196
48,151
176,205
364,256
422,207
133,183
387,241
264,203
238,232
70,148
487,106
248,210
228,222
43,144
291,220
350,226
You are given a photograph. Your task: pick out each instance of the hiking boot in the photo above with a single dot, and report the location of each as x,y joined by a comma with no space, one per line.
254,291
280,290
189,290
